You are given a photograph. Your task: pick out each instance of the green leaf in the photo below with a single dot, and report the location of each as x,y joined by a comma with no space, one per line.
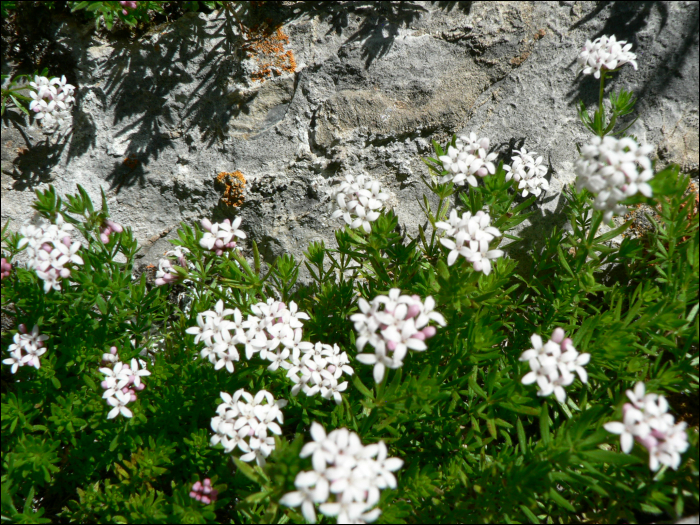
248,471
610,457
530,515
559,500
361,387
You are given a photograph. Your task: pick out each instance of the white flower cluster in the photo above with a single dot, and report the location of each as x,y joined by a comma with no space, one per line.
610,169
221,236
52,100
646,420
344,467
166,274
314,368
466,159
402,324
528,172
553,364
605,53
32,344
262,331
122,382
243,417
50,248
471,236
359,201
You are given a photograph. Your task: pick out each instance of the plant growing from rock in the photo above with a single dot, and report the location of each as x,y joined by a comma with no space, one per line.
453,430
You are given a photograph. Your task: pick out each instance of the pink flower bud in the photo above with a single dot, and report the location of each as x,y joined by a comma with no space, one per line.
22,328
218,252
46,247
198,497
125,390
227,222
391,345
649,442
413,311
140,387
160,282
231,245
206,500
206,489
125,12
331,368
193,494
66,240
113,350
104,238
197,486
566,343
219,243
558,335
65,273
207,481
133,396
104,385
418,335
106,230
281,306
206,224
117,228
251,432
429,331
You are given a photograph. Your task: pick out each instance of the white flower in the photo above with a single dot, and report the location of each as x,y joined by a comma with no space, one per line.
52,100
605,53
552,364
614,169
471,235
346,479
50,249
466,159
401,325
647,421
15,360
242,417
119,402
360,201
528,171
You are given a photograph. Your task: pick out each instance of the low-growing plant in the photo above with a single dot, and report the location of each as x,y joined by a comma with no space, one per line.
407,381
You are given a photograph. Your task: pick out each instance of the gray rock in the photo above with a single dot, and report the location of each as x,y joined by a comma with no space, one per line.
370,84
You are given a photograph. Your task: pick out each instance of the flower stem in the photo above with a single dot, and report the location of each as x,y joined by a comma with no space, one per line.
601,109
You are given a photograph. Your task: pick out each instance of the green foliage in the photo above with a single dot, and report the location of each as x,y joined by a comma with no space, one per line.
478,445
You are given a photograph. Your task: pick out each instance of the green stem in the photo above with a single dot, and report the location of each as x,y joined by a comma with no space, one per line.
600,104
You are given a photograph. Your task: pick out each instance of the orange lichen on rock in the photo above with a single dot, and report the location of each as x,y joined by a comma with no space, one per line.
265,44
234,186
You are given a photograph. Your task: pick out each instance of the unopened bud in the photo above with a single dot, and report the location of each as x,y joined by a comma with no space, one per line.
429,331
140,387
558,335
413,311
117,228
104,238
206,224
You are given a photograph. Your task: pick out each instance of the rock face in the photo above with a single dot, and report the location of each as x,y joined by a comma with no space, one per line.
340,88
